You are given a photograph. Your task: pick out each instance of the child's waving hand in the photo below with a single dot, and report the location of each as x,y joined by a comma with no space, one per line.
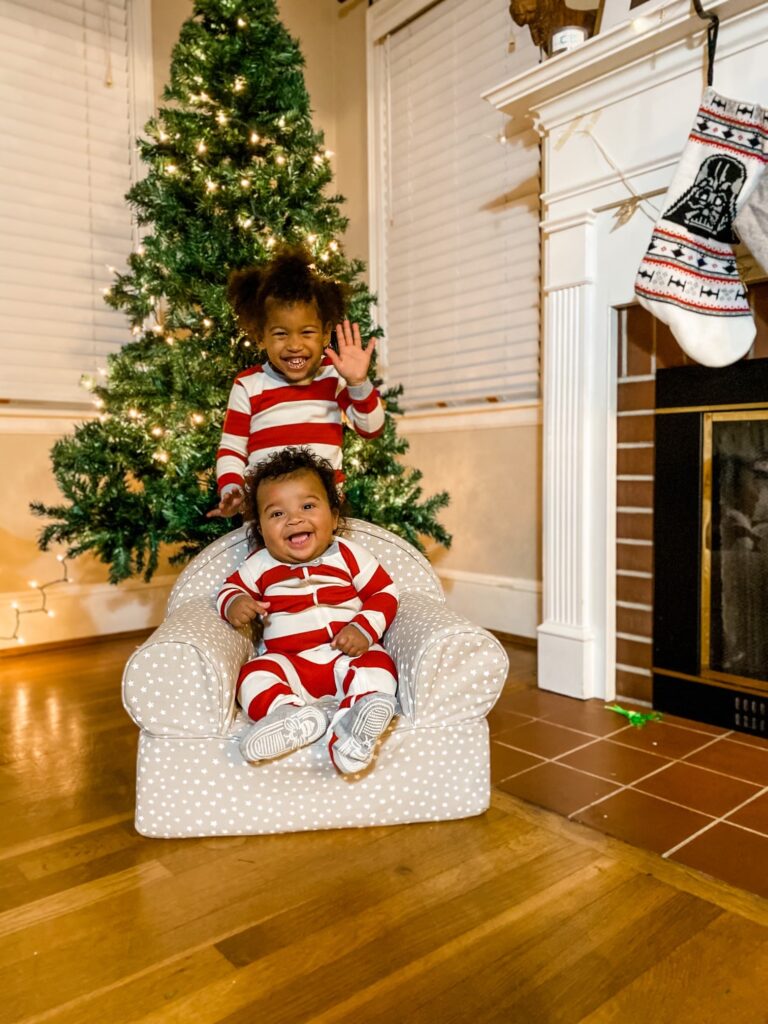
353,360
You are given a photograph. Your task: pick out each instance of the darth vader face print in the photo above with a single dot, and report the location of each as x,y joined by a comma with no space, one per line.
708,207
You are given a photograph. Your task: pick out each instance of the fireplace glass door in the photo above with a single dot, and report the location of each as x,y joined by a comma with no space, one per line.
734,592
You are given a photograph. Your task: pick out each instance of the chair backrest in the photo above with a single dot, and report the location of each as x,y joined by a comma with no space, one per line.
204,575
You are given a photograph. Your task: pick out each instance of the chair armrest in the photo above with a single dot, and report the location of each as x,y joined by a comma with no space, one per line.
449,669
181,681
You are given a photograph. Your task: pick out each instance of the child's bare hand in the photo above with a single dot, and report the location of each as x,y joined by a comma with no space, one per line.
352,360
350,640
229,505
244,609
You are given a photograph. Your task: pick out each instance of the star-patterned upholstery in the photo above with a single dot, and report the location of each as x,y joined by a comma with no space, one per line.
179,688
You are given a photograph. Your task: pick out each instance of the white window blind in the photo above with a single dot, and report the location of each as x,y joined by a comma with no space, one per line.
65,166
461,236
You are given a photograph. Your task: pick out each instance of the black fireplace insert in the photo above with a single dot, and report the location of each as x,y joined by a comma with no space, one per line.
710,619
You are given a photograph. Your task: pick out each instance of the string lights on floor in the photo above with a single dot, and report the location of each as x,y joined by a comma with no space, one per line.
41,589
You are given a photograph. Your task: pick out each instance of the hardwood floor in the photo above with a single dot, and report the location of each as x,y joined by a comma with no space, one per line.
516,916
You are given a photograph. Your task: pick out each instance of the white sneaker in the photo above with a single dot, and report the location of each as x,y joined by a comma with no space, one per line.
355,735
286,729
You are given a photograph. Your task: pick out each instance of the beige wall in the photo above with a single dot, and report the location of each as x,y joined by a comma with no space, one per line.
493,478
492,475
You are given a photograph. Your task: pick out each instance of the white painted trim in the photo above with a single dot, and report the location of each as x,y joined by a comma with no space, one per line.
486,417
77,591
43,419
616,63
84,610
506,603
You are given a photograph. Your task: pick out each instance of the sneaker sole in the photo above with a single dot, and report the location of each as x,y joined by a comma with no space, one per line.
272,740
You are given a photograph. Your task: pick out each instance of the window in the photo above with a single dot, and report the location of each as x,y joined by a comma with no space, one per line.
68,108
457,264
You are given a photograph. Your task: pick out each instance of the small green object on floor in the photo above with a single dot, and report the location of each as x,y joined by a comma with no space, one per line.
636,718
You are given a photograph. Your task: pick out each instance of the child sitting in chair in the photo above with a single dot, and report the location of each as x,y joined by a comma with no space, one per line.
325,603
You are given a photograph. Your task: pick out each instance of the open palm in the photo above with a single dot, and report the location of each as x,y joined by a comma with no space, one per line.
352,360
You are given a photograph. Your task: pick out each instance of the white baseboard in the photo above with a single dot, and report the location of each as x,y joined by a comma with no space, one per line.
505,603
84,610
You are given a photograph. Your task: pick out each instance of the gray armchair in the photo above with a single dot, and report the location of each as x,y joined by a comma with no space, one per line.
179,688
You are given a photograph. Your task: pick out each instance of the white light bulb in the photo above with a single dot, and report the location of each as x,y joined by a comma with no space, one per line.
60,558
171,168
221,117
157,431
254,137
14,605
245,182
34,584
211,185
207,322
201,147
280,159
20,640
241,23
50,614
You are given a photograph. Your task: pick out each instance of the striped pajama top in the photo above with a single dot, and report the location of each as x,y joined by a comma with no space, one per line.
311,601
266,413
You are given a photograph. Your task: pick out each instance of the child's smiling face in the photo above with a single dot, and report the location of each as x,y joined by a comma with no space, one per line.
294,340
295,517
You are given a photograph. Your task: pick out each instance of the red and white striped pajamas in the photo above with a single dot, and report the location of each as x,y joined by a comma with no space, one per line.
309,604
266,413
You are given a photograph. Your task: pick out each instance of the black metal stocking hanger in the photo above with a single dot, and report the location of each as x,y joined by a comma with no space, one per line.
712,30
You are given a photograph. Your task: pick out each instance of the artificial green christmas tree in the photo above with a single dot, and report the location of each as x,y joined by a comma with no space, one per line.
234,168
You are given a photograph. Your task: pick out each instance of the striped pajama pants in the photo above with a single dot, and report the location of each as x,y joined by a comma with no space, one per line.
272,679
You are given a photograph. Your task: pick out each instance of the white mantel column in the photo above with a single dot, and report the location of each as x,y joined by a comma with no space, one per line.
572,636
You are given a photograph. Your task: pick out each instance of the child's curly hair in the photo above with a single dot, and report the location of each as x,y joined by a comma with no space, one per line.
283,463
288,278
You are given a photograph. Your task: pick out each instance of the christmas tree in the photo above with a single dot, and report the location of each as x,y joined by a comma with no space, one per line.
234,169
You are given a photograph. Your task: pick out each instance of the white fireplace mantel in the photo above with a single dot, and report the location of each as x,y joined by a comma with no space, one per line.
613,116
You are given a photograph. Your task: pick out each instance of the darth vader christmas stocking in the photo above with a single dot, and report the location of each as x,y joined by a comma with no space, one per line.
688,277
752,222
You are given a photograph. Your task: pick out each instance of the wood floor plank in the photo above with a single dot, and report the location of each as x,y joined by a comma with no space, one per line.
517,916
224,894
129,999
315,971
718,975
71,900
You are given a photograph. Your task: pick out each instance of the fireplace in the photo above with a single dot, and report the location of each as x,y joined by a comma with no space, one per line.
710,539
613,115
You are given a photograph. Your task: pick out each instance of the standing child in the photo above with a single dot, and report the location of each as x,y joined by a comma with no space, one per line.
298,395
326,603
